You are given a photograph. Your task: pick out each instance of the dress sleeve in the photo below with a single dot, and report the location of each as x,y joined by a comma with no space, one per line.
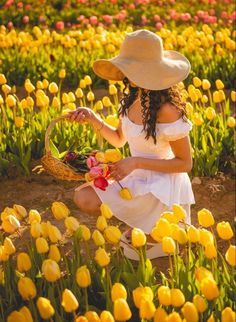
176,130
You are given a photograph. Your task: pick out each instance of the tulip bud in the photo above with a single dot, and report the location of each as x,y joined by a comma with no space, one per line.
210,113
45,308
173,317
106,101
231,122
71,224
83,276
138,238
53,88
200,303
42,245
197,82
112,89
233,96
177,297
224,230
69,301
205,218
101,257
209,288
51,270
121,310
26,288
206,84
19,122
23,262
168,245
197,119
206,237
10,224
15,316
112,235
193,234
216,97
228,315
86,235
62,73
230,255
126,194
106,211
163,227
45,83
141,293
101,223
90,96
29,86
34,215
26,313
164,295
3,255
98,238
92,316
9,247
60,210
118,291
82,84
210,251
106,316
35,229
182,236
219,84
211,318
113,155
147,309
179,212
190,312
54,234
160,315
21,211
202,272
3,79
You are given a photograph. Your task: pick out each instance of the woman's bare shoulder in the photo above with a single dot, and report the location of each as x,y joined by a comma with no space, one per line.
168,113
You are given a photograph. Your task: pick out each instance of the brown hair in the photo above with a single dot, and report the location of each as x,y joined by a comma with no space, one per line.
151,101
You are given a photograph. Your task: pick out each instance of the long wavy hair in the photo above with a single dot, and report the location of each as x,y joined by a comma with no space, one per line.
151,101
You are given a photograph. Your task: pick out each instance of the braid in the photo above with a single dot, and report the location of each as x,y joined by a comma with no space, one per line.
130,94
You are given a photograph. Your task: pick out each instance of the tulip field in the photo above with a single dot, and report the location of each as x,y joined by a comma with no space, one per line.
54,264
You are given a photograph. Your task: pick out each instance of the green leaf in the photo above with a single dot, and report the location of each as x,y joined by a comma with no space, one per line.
54,150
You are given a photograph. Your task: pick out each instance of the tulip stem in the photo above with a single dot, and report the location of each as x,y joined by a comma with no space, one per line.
33,310
86,299
171,269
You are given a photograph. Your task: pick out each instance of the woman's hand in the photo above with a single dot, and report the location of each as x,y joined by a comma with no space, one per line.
81,115
119,170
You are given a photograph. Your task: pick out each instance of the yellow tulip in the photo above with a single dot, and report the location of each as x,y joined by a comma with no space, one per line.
45,83
194,97
21,211
82,84
19,122
3,255
221,95
9,247
113,155
173,317
29,86
83,276
189,108
51,270
209,288
1,100
30,102
177,297
205,218
210,251
160,315
16,316
101,257
200,303
90,96
98,238
69,301
60,210
190,312
168,245
211,318
54,253
112,120
39,85
206,237
3,79
98,106
202,272
118,291
41,245
224,230
197,119
112,235
106,211
86,234
71,96
169,216
10,224
210,113
34,216
179,212
88,80
106,101
23,262
216,97
101,223
10,100
79,92
92,316
233,96
121,310
230,255
62,73
147,309
197,82
106,316
164,295
26,288
181,237
204,99
138,238
112,89
219,84
71,224
36,229
53,88
193,234
206,84
54,234
126,194
65,98
141,293
228,315
26,313
231,121
45,308
163,227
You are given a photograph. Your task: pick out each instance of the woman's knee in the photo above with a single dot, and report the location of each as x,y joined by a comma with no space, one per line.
87,200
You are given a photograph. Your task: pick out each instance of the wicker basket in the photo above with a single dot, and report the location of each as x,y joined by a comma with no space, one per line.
55,166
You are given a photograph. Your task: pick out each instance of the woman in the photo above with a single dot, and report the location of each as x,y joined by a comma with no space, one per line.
153,121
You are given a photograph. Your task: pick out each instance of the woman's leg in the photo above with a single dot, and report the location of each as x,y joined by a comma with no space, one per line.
87,200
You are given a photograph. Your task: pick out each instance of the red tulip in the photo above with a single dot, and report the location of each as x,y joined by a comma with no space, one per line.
101,183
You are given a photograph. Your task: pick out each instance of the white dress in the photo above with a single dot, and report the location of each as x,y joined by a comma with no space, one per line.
153,192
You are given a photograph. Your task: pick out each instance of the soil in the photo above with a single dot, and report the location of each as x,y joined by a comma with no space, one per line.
38,191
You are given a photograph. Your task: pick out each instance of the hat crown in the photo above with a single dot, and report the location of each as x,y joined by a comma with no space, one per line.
142,45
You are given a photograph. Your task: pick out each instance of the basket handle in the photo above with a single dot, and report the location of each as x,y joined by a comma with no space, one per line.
49,129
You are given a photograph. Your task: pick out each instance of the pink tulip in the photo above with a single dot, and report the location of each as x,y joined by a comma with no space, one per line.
108,19
195,19
158,25
10,25
28,7
20,5
157,18
121,15
60,25
101,183
131,6
9,3
96,172
93,20
41,19
91,162
114,1
25,19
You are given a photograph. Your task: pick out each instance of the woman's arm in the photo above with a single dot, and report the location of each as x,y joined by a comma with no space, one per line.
114,136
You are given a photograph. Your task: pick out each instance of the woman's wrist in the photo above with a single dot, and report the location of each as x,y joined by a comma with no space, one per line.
97,123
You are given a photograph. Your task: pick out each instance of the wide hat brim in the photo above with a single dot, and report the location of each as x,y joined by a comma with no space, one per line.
148,74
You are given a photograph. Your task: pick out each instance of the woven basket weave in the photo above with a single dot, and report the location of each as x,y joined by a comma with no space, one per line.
54,166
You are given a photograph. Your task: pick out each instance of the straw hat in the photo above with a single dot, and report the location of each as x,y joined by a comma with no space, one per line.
143,60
